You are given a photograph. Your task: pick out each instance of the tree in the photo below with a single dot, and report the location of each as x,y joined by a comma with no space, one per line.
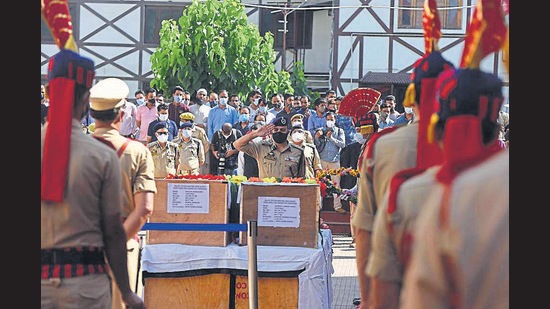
216,48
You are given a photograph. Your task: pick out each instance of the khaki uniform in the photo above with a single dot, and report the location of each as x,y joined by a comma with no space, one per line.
92,194
200,133
475,238
392,153
138,176
275,163
390,247
313,161
191,156
164,158
308,138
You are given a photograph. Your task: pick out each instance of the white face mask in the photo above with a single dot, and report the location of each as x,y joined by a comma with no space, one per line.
177,98
226,136
330,123
257,139
297,123
223,101
163,138
163,117
257,101
408,110
185,101
186,133
298,136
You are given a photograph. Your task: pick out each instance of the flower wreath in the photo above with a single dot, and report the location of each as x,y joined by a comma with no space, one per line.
330,187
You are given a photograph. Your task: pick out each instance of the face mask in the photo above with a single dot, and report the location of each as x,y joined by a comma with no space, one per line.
162,138
298,136
408,110
322,109
297,123
330,123
186,133
384,114
223,101
257,139
140,102
185,101
359,138
280,137
243,117
227,136
257,101
262,109
163,117
260,123
177,98
277,105
152,101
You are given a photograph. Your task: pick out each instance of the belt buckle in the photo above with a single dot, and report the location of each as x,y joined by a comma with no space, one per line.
56,282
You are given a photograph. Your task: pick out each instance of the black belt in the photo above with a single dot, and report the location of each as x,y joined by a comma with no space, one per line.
72,256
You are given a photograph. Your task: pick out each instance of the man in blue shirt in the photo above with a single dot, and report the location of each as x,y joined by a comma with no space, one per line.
317,119
329,141
220,114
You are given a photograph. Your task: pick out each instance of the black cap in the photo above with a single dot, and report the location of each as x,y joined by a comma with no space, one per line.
280,121
160,125
186,125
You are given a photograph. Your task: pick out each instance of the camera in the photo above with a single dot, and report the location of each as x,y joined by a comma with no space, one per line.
221,163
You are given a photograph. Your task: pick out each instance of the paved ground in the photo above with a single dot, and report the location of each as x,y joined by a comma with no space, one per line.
344,279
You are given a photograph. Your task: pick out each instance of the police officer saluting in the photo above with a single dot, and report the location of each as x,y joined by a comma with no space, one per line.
276,156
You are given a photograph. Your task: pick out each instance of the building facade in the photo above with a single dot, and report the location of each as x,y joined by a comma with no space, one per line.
342,44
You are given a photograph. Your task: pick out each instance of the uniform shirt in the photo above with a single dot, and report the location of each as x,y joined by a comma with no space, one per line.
91,195
199,133
275,163
313,161
392,152
191,154
164,158
128,123
389,248
137,165
476,240
146,115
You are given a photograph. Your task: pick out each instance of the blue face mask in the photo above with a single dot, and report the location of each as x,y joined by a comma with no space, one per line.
263,109
140,102
243,117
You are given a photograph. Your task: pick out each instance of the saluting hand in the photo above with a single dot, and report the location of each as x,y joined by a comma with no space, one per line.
265,130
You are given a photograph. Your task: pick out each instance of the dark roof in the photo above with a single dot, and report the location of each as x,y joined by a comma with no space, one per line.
386,78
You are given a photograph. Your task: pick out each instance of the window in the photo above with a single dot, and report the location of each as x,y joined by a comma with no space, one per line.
154,15
299,28
412,19
47,37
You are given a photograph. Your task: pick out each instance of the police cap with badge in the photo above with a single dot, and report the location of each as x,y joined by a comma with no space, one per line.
281,122
108,94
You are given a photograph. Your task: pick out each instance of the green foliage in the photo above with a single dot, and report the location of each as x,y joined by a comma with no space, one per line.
216,48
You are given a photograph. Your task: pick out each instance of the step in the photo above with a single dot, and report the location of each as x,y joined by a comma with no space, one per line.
337,222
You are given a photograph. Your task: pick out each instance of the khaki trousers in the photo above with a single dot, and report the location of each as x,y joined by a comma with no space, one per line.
133,254
84,292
